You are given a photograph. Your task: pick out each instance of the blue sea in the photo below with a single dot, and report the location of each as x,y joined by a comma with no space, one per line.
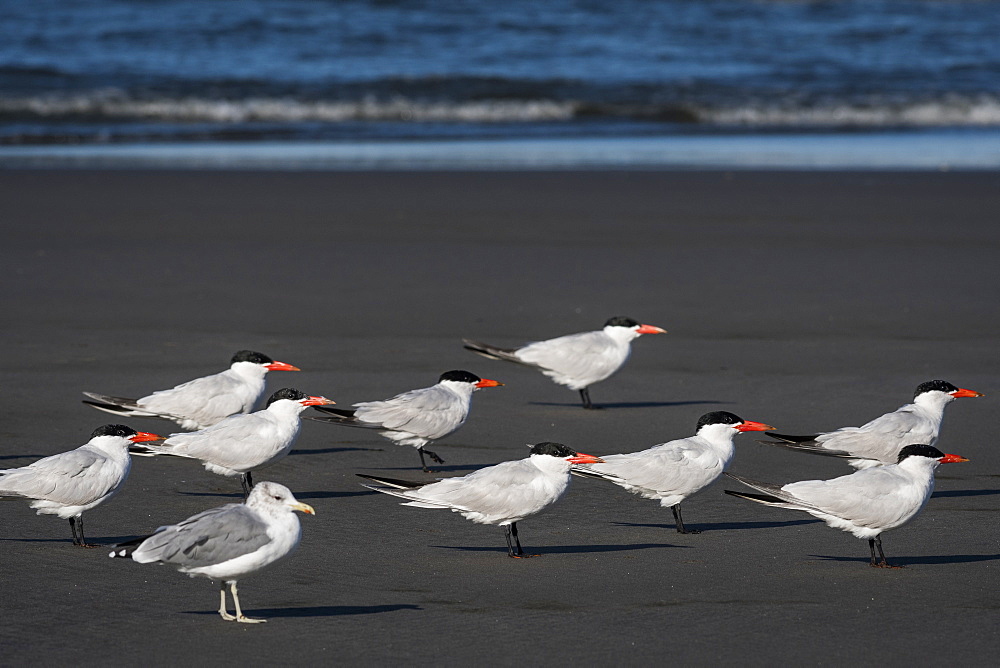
276,79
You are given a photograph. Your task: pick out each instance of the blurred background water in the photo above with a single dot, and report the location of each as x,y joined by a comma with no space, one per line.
151,71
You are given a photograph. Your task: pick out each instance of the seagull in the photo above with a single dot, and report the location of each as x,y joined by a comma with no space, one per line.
226,543
416,417
879,442
201,402
866,502
241,444
671,472
72,482
503,494
576,360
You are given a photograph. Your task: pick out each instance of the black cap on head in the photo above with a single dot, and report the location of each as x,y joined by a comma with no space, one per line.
285,393
919,451
553,449
251,356
460,376
932,385
621,321
114,430
718,417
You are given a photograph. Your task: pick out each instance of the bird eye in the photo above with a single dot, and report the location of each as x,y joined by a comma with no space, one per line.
277,497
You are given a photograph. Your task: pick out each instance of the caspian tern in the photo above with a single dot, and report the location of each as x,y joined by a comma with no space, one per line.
880,441
576,360
416,417
241,444
503,494
72,482
226,543
866,502
201,402
673,471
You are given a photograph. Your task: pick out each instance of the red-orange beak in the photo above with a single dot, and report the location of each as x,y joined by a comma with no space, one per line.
952,459
316,401
753,426
965,393
281,366
145,436
650,329
584,459
486,382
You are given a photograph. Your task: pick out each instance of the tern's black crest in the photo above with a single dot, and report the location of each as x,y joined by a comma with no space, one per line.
621,321
460,377
286,393
932,385
251,356
553,449
114,430
718,417
919,451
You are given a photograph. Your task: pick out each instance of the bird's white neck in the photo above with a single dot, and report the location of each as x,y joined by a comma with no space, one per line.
551,465
248,370
621,335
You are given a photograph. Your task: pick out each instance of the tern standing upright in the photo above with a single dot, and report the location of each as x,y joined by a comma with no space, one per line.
201,402
576,360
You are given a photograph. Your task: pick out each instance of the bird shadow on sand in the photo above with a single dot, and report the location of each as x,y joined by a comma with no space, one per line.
317,611
629,404
721,526
912,561
567,549
233,495
326,451
99,542
330,495
32,457
965,492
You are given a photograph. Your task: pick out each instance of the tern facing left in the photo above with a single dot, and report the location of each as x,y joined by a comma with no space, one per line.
502,494
242,443
866,502
417,417
227,543
879,442
70,483
671,472
575,360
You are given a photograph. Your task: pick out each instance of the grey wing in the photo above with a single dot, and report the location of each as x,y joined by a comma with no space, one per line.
430,412
222,443
864,497
882,438
76,477
509,489
211,395
664,469
577,360
212,537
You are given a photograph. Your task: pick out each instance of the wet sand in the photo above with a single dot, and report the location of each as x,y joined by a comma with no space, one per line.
805,300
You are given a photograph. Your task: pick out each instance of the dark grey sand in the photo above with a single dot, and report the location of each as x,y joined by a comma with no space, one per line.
805,300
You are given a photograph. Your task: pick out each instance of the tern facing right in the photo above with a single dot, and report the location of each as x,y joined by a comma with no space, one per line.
70,483
226,543
201,402
241,444
881,440
502,494
576,360
417,417
671,472
866,502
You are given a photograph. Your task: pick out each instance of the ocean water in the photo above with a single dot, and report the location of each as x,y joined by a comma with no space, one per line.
100,72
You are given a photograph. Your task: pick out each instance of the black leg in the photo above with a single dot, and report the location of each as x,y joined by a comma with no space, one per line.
510,544
434,458
585,397
514,548
877,543
679,522
73,523
246,480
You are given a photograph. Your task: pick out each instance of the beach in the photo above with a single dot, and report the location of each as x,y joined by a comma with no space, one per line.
806,300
